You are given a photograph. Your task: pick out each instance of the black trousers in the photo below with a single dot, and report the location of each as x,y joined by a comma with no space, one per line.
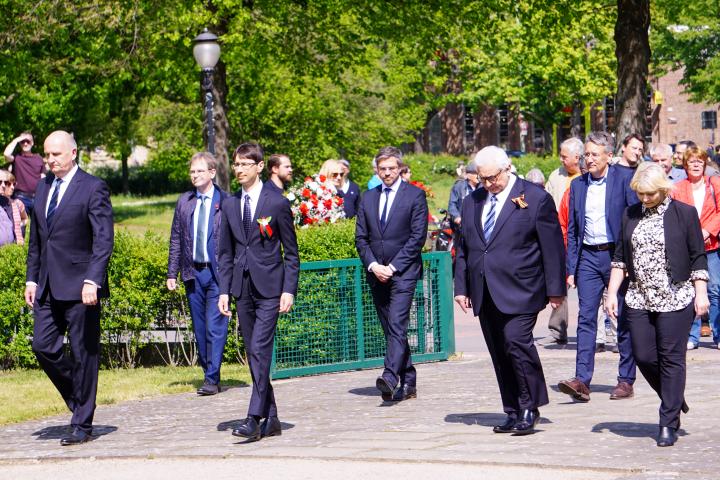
392,302
76,376
516,361
659,346
258,319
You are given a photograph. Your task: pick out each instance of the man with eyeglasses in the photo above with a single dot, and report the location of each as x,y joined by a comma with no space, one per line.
597,202
28,168
259,265
389,235
193,255
509,265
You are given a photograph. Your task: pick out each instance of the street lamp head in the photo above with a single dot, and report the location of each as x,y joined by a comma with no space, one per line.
206,50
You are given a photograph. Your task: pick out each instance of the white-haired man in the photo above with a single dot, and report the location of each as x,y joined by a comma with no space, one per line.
662,153
571,153
510,263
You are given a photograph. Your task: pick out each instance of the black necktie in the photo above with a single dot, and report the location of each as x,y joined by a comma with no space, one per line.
52,206
383,217
247,216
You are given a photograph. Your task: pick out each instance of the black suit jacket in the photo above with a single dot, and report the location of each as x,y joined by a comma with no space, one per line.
523,263
401,242
273,271
351,200
78,245
684,245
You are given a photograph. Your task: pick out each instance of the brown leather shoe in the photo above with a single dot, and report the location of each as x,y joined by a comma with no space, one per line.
622,391
576,389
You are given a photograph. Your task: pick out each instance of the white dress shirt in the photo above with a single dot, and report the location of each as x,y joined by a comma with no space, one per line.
254,193
63,187
390,197
596,230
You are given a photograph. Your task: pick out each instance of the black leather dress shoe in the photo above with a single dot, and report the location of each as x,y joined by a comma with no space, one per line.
250,430
386,390
208,389
77,437
667,437
405,392
506,427
526,423
271,427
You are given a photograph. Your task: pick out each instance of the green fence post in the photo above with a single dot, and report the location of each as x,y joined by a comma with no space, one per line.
359,311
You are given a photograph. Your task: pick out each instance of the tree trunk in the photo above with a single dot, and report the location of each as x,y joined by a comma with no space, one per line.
632,49
454,128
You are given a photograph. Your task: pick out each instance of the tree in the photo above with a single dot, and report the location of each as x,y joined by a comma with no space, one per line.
632,49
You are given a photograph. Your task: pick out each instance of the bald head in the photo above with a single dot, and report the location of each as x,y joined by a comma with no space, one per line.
61,151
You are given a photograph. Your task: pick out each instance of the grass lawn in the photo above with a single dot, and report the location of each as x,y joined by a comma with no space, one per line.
29,394
141,214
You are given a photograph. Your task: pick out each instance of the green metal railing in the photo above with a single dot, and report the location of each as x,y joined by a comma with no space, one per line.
334,326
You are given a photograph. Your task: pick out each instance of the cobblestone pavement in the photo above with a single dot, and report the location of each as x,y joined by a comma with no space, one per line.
338,423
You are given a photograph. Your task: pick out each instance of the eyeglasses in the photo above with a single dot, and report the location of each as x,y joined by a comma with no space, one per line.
243,165
25,141
387,169
8,183
492,178
337,174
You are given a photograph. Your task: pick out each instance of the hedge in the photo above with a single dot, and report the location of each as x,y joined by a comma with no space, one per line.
139,302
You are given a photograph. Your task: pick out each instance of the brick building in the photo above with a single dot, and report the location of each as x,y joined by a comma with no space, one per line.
675,118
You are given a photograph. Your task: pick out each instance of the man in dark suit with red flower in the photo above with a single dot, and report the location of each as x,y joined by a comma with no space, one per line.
260,275
509,264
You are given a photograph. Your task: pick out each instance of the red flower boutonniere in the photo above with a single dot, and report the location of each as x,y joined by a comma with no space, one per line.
265,230
520,201
217,206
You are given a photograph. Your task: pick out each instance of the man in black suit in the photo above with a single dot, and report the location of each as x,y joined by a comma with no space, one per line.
261,276
71,240
389,236
509,264
349,191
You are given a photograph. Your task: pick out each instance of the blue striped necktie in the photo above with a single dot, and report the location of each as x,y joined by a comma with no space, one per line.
52,206
490,219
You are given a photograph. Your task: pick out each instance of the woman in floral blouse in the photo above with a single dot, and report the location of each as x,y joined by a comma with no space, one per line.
661,250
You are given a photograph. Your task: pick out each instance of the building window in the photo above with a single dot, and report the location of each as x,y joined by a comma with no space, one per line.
709,120
503,125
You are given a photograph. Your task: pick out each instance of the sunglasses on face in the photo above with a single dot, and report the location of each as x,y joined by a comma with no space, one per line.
8,183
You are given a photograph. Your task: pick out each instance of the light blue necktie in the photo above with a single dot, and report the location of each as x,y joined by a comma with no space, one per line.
490,219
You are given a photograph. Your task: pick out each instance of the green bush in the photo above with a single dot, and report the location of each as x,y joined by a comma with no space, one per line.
15,317
327,242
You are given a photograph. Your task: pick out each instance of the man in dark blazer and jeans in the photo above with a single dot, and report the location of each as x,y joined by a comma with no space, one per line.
508,267
193,253
389,236
260,275
71,240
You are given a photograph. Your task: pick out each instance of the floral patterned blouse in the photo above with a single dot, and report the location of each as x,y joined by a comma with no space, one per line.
653,288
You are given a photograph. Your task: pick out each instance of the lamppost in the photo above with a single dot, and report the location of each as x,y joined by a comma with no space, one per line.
207,53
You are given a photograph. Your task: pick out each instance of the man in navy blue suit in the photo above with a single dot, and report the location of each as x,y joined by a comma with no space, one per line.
510,264
389,236
349,191
260,275
597,202
71,239
193,252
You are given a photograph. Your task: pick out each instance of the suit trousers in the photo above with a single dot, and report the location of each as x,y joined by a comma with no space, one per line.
515,358
76,376
392,302
659,345
593,274
209,325
258,319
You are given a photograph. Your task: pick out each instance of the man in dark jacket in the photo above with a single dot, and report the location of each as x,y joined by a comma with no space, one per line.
193,254
349,191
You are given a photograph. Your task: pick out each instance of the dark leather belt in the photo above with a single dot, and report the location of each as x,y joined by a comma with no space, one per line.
201,266
599,248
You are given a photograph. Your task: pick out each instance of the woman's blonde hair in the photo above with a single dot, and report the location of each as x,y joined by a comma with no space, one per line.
650,177
328,166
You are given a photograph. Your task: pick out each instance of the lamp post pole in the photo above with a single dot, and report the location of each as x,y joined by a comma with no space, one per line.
207,53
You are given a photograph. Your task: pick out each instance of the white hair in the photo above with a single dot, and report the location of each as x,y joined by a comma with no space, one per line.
471,166
660,149
573,145
535,176
491,155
